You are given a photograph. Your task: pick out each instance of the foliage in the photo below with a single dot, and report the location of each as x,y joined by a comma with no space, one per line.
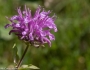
70,50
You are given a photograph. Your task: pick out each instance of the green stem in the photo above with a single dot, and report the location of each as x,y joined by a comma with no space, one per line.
20,61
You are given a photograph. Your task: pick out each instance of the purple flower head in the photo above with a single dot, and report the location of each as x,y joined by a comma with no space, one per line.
33,29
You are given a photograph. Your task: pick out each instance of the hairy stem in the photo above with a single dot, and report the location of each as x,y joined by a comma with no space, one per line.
20,61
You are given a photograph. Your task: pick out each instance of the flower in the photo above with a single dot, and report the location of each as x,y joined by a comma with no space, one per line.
33,29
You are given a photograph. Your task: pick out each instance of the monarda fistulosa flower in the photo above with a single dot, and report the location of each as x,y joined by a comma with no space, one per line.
33,29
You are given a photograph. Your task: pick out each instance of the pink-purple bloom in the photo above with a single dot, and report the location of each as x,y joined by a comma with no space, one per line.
33,29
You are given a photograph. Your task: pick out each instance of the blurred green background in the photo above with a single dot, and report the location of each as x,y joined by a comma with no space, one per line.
70,50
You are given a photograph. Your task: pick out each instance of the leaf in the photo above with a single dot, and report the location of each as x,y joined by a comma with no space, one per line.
33,67
28,67
24,66
15,55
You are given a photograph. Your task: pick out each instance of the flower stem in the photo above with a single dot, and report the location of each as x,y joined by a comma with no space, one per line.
20,61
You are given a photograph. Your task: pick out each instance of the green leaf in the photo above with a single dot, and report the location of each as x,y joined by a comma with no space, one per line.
24,66
28,67
33,67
